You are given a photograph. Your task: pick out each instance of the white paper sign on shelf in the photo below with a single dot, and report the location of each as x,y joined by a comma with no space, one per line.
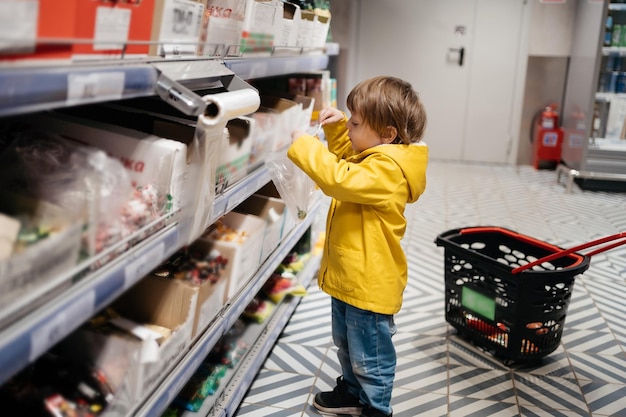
112,28
18,25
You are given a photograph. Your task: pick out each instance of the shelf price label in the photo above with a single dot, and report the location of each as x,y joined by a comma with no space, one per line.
61,324
259,69
87,87
143,264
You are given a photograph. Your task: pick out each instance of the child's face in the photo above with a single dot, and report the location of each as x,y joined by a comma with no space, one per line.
361,134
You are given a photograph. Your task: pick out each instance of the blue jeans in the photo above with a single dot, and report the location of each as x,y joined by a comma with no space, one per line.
366,353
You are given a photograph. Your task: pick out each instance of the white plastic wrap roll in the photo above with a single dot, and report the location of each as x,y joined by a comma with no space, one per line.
222,107
210,130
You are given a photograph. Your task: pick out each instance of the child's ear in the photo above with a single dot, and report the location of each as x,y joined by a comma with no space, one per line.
391,133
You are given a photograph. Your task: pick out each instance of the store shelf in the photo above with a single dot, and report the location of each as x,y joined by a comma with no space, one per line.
27,337
590,156
273,66
235,194
174,381
27,89
617,6
24,90
24,340
32,329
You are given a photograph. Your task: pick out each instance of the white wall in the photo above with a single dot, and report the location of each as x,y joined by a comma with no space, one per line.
549,34
551,26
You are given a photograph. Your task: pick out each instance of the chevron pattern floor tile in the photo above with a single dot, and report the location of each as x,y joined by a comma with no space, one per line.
440,373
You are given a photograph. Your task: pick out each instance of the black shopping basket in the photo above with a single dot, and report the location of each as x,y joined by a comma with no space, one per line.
508,293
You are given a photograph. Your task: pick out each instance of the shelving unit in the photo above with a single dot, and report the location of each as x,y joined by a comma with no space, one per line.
594,151
260,337
33,327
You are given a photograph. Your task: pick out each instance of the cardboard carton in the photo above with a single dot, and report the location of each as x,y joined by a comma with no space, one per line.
234,152
287,116
242,26
177,26
313,28
288,35
272,210
243,256
127,348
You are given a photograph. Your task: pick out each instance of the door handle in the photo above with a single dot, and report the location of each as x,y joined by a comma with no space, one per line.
461,52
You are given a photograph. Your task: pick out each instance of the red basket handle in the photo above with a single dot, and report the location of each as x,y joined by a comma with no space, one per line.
564,252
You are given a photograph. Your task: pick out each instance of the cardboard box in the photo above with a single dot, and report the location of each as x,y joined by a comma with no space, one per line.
234,152
162,302
37,264
313,28
264,136
249,23
288,35
177,26
211,294
289,222
286,114
200,267
243,257
211,299
273,211
127,349
306,111
154,151
262,22
108,24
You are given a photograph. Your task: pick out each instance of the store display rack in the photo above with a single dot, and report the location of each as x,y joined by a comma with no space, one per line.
37,88
27,338
27,90
261,338
264,337
592,156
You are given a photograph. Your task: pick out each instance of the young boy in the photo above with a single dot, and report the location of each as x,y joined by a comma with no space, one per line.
373,166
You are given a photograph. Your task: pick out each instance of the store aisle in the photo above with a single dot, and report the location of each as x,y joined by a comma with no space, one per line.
439,374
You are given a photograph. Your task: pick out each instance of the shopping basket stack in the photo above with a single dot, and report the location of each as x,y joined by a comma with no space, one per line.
508,293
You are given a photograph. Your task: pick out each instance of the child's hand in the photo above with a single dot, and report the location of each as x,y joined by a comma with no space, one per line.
330,115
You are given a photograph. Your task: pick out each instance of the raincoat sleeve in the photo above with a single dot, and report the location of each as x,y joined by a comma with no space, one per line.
368,182
337,138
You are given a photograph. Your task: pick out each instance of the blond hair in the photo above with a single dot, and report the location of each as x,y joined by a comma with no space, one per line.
389,101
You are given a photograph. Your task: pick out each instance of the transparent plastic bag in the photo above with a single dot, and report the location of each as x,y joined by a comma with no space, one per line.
51,168
294,185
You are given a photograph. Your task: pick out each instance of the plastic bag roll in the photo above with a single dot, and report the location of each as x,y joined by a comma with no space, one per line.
222,107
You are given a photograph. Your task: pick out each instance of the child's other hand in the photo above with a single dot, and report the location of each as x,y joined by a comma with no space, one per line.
330,115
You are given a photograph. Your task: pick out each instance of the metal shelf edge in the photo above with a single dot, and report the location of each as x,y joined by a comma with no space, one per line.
276,65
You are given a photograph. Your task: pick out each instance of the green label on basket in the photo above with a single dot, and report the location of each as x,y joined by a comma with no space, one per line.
478,303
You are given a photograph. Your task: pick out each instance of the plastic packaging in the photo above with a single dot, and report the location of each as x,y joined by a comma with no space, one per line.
53,169
294,185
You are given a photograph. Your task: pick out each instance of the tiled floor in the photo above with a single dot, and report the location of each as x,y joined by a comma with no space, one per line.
438,373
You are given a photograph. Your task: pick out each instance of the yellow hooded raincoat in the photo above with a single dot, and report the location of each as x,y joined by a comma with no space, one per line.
363,263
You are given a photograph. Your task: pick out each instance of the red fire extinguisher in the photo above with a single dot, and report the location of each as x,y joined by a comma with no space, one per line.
547,138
